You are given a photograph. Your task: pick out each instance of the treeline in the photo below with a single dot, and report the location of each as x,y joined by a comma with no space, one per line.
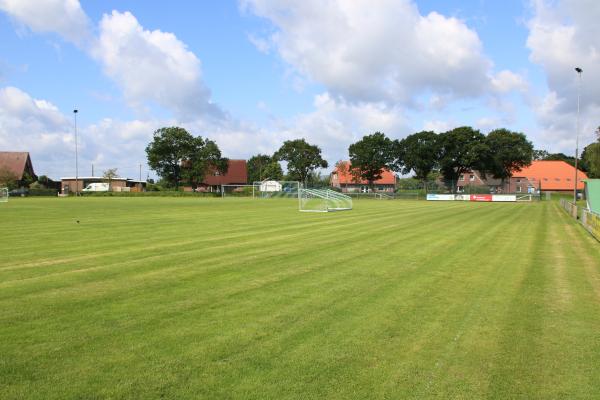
180,158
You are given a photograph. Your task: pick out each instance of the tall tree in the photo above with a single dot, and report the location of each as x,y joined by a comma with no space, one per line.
511,151
419,153
302,158
169,147
462,150
204,157
8,178
370,156
590,160
262,166
177,156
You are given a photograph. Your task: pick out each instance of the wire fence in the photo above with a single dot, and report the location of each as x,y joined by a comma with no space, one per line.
589,219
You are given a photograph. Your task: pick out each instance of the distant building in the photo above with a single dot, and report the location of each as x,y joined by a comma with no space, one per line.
553,176
17,164
69,184
549,176
237,174
342,178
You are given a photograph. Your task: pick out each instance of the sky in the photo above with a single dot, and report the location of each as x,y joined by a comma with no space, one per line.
251,74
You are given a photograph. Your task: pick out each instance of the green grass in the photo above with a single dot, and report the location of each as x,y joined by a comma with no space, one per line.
239,299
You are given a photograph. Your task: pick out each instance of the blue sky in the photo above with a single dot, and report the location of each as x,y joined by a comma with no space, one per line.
253,73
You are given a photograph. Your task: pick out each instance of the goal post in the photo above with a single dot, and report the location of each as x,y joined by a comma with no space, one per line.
323,200
3,195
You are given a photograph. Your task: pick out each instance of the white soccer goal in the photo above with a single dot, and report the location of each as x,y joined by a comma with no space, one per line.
238,190
323,200
270,189
3,195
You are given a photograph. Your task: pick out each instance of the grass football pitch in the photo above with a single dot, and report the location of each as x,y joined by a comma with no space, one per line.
250,299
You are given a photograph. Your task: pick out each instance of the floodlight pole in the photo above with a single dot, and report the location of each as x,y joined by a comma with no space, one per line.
579,71
75,111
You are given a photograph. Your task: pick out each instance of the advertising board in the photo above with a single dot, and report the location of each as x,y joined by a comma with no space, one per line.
481,197
440,197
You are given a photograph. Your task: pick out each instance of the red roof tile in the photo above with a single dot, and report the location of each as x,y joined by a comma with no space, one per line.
345,177
236,174
15,162
552,175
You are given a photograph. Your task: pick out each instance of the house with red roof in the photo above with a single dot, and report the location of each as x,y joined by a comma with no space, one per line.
342,178
541,175
550,176
17,165
237,174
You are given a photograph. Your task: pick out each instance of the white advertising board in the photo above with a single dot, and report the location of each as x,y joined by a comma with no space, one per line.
440,197
504,197
462,197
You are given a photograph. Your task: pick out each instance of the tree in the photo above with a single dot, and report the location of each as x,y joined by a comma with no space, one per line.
8,178
540,154
302,158
462,150
169,147
511,151
370,156
109,175
262,166
419,153
178,156
204,157
590,159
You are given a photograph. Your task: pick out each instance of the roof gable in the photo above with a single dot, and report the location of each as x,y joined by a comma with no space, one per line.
16,162
237,173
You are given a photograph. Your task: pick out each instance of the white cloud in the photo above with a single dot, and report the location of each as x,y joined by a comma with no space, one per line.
563,35
152,66
506,81
378,51
64,17
37,126
438,126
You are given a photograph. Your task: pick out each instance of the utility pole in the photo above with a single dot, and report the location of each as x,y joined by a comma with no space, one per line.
75,111
92,170
579,71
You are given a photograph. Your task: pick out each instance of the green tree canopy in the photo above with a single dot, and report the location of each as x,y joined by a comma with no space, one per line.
590,160
177,156
262,166
419,153
370,156
302,158
109,175
461,150
510,151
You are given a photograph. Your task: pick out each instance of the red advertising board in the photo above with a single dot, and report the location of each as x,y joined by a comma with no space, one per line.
481,197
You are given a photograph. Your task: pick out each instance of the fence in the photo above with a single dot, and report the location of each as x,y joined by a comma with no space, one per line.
590,220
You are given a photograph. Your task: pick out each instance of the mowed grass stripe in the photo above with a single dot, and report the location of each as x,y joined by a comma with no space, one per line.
393,299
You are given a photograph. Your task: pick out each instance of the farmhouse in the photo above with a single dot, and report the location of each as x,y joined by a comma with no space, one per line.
70,184
549,176
553,176
237,174
18,166
342,178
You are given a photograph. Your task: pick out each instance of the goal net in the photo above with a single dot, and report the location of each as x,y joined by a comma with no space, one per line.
273,189
323,200
238,190
3,195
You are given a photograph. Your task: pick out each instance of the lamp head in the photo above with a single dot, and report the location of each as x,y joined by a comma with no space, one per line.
75,111
579,70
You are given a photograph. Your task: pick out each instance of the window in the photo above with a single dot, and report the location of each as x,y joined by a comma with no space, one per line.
568,179
518,180
471,177
461,178
519,189
545,179
459,189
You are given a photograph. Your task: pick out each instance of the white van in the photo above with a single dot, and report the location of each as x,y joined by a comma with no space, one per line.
96,187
